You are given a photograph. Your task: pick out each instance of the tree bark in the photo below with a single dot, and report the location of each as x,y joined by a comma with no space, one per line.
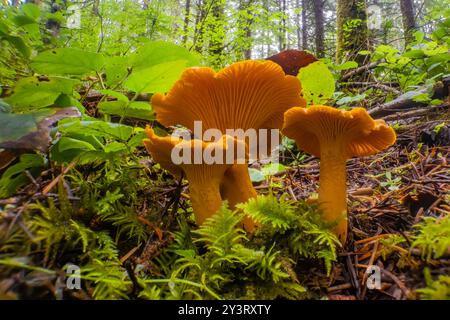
304,25
319,28
298,24
409,21
282,29
352,30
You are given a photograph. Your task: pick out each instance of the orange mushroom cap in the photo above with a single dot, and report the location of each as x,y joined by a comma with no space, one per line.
204,178
360,134
247,94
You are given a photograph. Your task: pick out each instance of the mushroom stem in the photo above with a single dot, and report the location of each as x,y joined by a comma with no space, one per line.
237,188
205,198
333,191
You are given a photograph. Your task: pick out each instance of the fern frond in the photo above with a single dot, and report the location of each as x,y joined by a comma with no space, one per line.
267,209
221,231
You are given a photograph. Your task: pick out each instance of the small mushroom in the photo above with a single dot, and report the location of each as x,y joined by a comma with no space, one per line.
335,136
204,178
245,95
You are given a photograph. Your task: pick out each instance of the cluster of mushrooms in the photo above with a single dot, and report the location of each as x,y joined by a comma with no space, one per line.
259,95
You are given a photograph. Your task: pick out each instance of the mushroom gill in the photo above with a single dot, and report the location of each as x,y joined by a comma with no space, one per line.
335,136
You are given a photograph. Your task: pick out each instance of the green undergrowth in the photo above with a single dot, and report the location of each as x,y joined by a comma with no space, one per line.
109,213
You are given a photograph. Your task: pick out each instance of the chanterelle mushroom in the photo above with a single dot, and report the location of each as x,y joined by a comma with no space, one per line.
334,136
204,178
245,95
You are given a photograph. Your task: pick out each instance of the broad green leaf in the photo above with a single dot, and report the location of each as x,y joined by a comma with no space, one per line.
116,69
256,175
67,61
22,20
414,54
66,143
158,52
158,78
272,168
19,44
119,96
97,129
136,109
34,93
317,83
347,65
31,10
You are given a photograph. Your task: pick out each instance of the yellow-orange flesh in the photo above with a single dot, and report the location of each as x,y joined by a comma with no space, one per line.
333,189
237,187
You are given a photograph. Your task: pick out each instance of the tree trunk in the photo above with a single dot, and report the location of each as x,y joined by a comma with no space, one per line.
319,26
352,30
187,13
282,29
304,25
409,21
298,24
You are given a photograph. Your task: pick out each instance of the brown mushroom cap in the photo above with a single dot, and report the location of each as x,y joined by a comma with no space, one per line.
359,133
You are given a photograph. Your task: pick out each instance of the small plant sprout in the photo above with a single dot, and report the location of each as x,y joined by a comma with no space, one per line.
335,136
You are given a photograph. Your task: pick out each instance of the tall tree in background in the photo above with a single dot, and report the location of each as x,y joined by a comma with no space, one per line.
304,24
319,28
244,34
282,30
409,21
352,31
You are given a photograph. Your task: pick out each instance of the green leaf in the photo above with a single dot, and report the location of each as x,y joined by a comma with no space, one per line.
317,83
19,44
97,129
35,93
14,176
158,78
136,109
272,168
158,52
31,10
414,54
67,61
119,96
347,65
256,175
66,143
116,69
